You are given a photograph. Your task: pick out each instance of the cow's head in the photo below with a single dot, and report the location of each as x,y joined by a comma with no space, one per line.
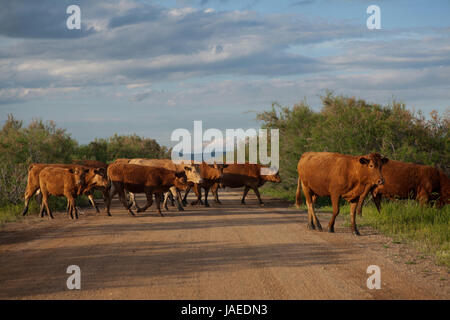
270,174
180,181
370,168
192,172
79,175
97,177
214,172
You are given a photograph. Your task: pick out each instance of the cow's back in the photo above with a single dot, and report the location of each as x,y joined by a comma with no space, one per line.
326,172
238,175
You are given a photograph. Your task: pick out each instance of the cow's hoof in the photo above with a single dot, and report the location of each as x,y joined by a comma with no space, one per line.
310,226
356,233
330,230
180,209
140,210
207,205
131,213
261,204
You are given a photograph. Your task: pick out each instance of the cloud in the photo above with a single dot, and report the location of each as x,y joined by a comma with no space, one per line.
148,56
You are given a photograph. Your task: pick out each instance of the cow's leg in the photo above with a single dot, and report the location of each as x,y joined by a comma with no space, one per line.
167,195
177,194
148,204
198,193
255,189
133,201
310,204
245,194
111,193
423,196
335,203
206,196
123,199
91,199
29,192
214,190
377,201
158,203
41,211
362,197
45,202
186,194
72,207
353,207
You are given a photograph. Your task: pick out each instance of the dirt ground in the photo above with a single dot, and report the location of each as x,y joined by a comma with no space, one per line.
228,251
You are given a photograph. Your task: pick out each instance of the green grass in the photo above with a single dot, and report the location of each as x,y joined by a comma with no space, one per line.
425,227
13,212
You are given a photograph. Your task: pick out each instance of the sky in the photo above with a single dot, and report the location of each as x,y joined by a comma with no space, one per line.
150,67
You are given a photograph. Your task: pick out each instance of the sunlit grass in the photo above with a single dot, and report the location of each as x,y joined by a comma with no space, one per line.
426,228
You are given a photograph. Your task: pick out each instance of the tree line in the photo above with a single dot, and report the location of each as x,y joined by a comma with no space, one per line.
353,126
43,142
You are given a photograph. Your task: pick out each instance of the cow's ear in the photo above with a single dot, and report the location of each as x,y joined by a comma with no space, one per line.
71,170
187,168
86,170
384,161
363,160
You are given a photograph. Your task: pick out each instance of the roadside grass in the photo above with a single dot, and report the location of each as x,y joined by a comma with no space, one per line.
406,221
13,212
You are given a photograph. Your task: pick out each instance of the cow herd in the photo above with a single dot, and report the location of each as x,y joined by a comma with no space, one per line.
320,174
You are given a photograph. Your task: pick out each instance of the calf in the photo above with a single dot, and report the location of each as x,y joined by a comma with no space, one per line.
61,182
33,181
211,174
142,179
338,176
102,166
408,180
249,176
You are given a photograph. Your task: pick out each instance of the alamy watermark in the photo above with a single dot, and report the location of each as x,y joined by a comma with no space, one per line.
74,20
74,280
374,281
374,20
213,146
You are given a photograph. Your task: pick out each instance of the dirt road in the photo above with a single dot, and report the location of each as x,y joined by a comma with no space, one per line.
228,251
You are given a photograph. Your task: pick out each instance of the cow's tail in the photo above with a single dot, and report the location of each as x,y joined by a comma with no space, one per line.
298,194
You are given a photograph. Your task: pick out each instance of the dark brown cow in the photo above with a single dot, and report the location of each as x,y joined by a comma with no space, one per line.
142,179
211,174
61,182
33,186
405,180
337,176
250,176
191,170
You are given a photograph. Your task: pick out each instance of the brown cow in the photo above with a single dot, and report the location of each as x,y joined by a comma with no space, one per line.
250,176
408,180
97,165
191,170
337,176
61,182
142,179
211,174
33,186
